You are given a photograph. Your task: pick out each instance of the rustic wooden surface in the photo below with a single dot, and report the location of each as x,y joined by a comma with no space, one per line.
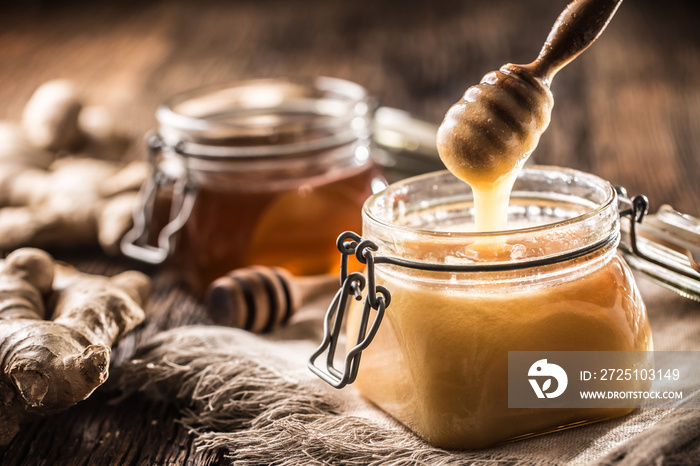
628,110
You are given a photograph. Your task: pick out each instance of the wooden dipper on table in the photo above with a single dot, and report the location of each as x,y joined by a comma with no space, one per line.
491,131
260,298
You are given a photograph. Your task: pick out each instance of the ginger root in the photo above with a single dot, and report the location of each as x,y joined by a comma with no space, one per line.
64,206
50,118
47,366
15,149
71,201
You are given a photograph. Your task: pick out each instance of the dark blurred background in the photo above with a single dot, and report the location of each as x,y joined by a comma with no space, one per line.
627,110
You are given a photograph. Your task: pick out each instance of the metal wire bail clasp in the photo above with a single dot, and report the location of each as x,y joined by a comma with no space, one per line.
135,242
377,299
664,246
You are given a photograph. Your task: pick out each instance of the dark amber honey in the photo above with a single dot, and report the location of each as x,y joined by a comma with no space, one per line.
289,224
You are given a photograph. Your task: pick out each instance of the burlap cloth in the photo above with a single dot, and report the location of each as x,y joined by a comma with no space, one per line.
255,398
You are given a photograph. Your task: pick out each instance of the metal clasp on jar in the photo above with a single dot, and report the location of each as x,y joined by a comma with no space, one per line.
184,192
664,246
377,298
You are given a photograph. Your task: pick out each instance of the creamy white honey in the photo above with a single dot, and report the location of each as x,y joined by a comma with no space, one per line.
438,363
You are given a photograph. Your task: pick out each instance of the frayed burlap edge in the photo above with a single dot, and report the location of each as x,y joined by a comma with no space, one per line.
255,399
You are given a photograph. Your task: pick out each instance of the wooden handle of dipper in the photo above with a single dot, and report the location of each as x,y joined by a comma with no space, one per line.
260,299
576,28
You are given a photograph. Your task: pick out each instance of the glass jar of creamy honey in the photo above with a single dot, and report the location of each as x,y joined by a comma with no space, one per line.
259,172
446,304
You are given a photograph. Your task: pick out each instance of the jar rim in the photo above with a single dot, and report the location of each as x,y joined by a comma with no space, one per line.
245,119
597,226
610,199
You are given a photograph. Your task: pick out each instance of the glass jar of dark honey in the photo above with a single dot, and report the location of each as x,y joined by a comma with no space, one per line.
259,172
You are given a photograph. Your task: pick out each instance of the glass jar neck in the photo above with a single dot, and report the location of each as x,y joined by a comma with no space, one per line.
556,215
266,118
227,173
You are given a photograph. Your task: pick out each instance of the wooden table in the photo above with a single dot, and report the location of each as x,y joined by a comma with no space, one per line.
628,110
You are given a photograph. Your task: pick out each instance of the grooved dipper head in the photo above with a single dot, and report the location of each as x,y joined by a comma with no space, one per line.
492,130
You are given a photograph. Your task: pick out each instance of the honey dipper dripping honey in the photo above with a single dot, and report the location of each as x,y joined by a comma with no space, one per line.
488,135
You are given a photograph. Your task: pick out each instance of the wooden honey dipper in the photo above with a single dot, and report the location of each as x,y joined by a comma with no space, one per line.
492,130
260,298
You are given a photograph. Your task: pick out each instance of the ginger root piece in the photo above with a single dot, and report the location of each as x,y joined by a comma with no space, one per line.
49,365
103,139
16,149
18,155
64,206
128,179
115,219
70,201
50,118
